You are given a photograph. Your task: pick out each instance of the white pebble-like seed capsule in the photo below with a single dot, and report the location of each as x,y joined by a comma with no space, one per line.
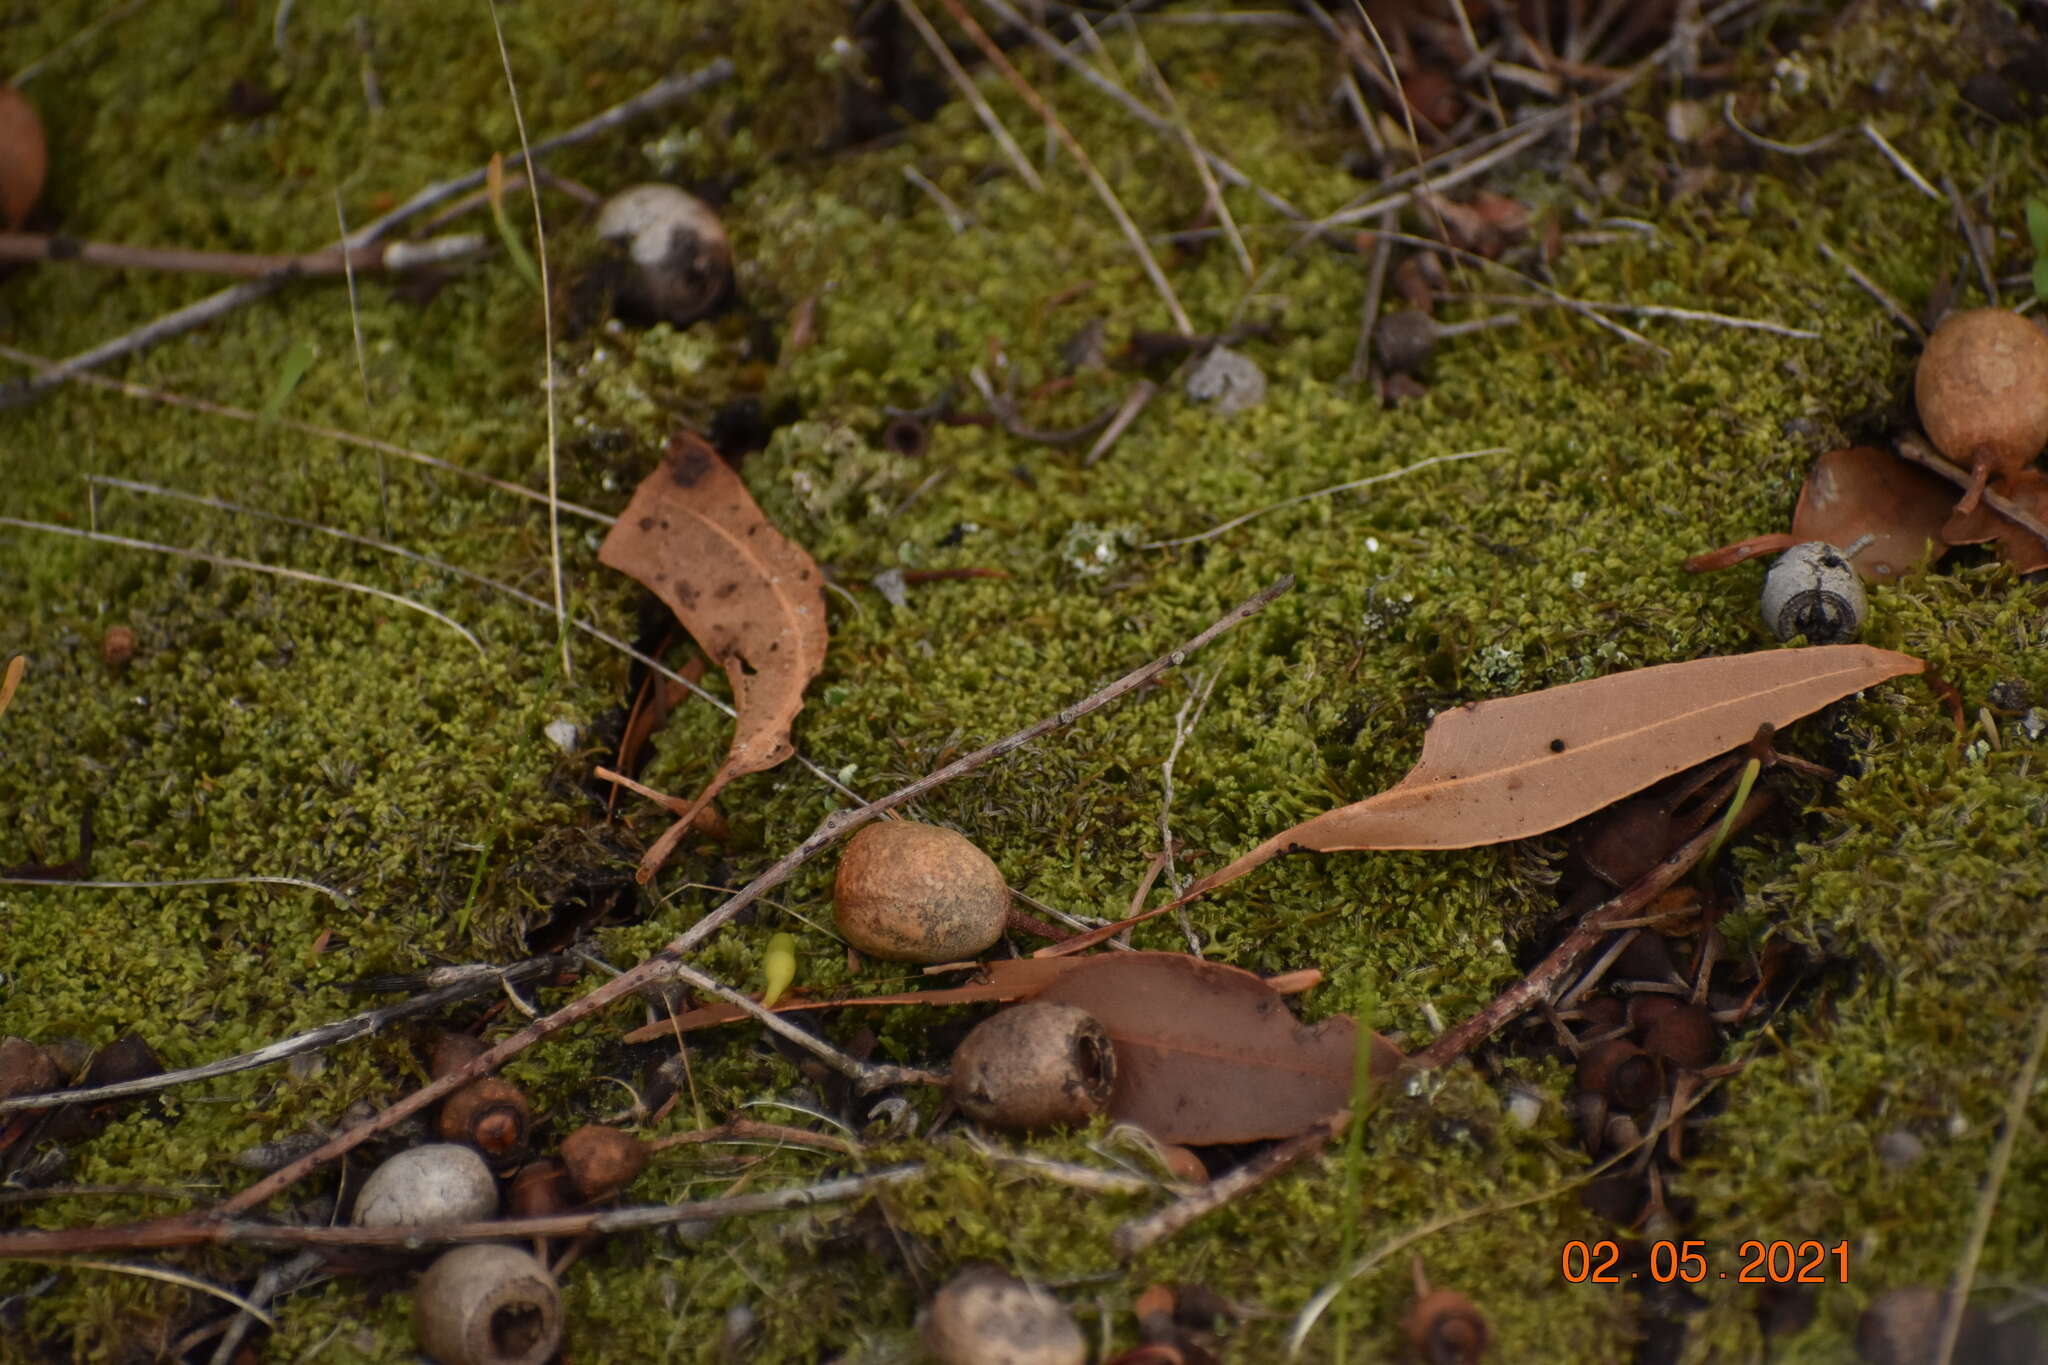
1813,590
440,1182
488,1305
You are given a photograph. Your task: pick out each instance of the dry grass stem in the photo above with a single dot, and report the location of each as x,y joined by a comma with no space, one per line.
230,562
1081,157
228,410
1368,482
1993,1184
547,321
965,84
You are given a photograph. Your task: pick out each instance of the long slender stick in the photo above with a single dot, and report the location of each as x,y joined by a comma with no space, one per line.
194,1231
473,981
1080,153
1583,939
657,967
1141,1234
390,257
663,92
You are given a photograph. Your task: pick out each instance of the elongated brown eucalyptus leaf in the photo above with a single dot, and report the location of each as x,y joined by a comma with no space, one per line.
752,600
1208,1053
1515,766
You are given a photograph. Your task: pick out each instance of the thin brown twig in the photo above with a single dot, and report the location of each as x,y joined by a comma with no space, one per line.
656,968
1911,446
389,257
475,980
1140,1234
752,1130
661,93
1539,984
1870,287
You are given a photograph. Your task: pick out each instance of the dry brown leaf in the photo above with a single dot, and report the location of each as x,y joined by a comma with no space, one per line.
2020,547
1849,494
1515,766
1207,1053
1001,980
752,600
1866,491
23,158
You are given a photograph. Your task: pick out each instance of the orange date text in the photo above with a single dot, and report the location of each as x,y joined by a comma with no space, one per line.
1754,1262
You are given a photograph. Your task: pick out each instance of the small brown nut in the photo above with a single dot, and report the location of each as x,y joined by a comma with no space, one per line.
489,1114
1982,388
438,1182
1404,339
1627,1076
602,1161
984,1317
1033,1066
487,1304
24,158
453,1051
26,1069
541,1188
117,646
1683,1035
918,893
1446,1329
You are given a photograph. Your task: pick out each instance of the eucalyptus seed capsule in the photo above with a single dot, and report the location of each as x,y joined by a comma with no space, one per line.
1813,590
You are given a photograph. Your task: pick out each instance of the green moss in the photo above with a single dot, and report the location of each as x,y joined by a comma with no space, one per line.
274,728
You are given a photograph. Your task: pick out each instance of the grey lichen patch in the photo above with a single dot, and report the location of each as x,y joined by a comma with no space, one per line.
278,728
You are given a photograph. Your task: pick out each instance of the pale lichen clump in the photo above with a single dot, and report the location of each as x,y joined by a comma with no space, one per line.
265,727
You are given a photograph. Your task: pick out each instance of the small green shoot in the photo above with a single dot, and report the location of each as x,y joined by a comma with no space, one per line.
297,361
521,261
2037,233
778,968
1735,805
